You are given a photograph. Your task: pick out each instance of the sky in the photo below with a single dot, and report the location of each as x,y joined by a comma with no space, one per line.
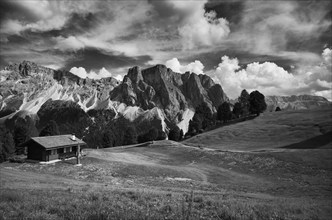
275,47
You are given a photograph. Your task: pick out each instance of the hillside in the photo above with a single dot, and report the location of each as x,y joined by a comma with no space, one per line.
166,179
271,130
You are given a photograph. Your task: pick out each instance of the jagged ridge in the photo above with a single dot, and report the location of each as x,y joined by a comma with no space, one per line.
296,102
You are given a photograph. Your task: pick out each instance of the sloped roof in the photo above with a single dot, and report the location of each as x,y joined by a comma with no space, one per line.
57,141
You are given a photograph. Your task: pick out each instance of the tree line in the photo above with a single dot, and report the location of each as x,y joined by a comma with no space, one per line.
247,104
101,130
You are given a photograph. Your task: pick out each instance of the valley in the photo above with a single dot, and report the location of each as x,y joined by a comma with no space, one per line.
198,178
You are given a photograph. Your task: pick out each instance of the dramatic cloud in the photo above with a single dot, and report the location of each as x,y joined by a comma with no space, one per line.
200,28
11,27
270,79
174,64
281,28
81,72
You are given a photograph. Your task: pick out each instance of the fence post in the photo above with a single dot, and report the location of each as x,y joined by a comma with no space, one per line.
78,155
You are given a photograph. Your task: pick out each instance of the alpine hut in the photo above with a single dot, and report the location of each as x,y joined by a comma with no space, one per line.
54,147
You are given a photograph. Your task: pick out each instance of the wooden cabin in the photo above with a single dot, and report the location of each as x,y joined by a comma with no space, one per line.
53,147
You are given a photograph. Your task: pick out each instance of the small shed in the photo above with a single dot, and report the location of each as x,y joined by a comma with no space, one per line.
53,147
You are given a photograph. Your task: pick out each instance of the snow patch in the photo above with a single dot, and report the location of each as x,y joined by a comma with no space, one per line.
187,115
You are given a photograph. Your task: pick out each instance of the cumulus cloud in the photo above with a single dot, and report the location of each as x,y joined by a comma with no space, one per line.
82,73
119,77
195,67
271,79
327,56
200,28
266,77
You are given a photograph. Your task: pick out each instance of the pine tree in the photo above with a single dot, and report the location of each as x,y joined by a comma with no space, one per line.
108,139
7,145
151,135
130,136
50,129
237,109
224,112
174,134
245,103
181,134
257,102
195,124
21,135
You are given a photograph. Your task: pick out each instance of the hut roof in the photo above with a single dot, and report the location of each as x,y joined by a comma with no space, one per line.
57,141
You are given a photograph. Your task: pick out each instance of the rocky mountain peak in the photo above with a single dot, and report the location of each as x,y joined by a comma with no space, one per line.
135,74
174,93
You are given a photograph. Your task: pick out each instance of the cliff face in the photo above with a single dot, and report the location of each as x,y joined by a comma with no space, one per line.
152,93
296,102
169,91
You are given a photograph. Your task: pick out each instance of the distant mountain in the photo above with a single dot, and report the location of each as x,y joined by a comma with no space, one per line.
296,102
27,86
154,94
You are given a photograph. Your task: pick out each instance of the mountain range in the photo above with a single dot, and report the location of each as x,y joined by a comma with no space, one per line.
156,93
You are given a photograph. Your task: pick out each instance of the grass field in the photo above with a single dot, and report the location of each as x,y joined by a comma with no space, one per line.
169,180
272,130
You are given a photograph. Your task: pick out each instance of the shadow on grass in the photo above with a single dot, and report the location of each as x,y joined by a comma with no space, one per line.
312,143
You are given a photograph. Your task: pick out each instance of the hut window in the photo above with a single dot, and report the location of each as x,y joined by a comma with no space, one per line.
68,149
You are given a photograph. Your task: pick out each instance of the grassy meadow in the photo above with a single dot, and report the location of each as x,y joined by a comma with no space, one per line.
272,130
